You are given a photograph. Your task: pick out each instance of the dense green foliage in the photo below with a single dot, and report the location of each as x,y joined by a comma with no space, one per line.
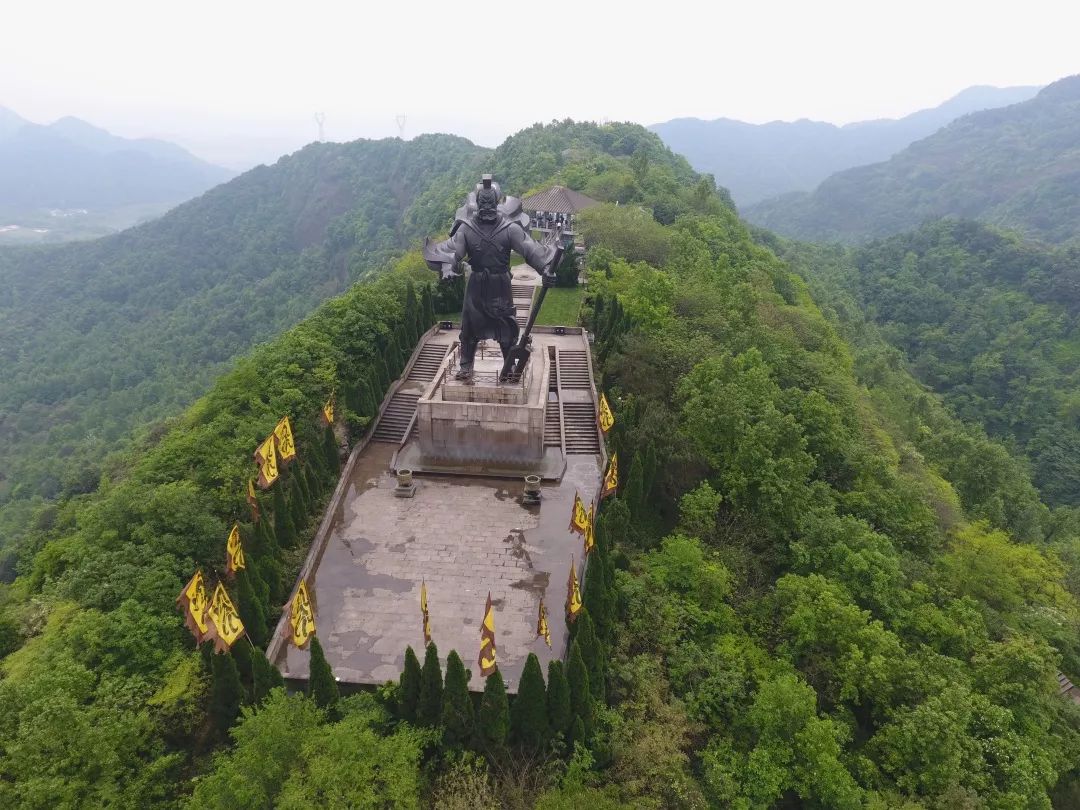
989,322
816,588
96,338
1013,166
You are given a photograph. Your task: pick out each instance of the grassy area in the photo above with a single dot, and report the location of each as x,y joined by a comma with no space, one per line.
561,306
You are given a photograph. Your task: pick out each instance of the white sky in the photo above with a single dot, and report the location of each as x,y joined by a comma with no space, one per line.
228,76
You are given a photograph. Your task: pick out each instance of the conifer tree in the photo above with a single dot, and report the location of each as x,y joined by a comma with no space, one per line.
412,314
457,709
429,707
591,654
252,610
577,734
314,484
558,699
227,692
322,687
409,687
427,307
241,653
273,574
529,717
617,520
598,314
330,451
392,355
596,597
297,505
650,468
299,481
284,526
388,374
493,722
404,344
577,677
634,492
265,676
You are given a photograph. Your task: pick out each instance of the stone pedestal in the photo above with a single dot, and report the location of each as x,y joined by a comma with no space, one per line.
483,421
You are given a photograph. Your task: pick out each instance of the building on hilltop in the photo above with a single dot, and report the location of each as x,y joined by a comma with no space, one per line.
556,207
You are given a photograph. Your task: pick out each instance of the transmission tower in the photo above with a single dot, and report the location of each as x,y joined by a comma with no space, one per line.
401,119
320,119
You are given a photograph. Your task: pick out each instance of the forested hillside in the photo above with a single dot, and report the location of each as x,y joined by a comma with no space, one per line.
1017,167
758,161
990,322
97,338
816,587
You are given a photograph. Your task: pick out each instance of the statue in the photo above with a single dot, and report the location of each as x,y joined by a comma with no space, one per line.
486,230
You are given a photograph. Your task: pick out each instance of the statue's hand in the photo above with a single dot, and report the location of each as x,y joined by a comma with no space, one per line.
549,279
448,271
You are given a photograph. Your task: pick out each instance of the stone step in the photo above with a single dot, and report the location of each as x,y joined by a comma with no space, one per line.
427,362
582,436
395,420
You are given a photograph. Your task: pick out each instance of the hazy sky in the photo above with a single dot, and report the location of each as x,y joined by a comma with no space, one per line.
220,76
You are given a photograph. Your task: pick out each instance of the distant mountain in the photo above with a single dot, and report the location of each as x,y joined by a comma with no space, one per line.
758,161
96,337
1017,167
71,164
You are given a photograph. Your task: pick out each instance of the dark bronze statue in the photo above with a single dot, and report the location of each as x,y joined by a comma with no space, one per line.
486,230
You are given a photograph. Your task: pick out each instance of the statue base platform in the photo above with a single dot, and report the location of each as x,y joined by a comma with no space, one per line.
481,421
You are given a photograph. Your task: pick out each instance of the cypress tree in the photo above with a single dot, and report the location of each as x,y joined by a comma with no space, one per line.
241,653
404,345
314,484
650,468
388,374
322,687
297,505
558,699
284,526
596,597
265,676
427,307
267,543
529,717
300,482
457,709
493,723
617,523
429,708
577,734
634,492
409,687
577,677
598,313
412,314
273,574
392,356
330,451
585,638
227,692
252,610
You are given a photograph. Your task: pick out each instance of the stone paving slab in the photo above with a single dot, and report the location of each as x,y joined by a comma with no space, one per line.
465,537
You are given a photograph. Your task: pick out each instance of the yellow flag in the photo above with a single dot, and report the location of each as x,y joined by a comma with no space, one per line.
607,418
579,518
192,600
611,477
542,628
328,411
234,552
424,613
266,458
590,530
285,445
487,640
301,617
573,594
226,625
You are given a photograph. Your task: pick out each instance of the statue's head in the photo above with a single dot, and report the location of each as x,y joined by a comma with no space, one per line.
487,199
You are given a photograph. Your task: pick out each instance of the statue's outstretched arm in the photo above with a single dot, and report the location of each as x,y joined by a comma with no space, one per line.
444,257
539,256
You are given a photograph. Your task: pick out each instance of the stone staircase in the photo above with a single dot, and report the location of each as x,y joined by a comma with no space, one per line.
396,418
427,363
581,429
573,370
